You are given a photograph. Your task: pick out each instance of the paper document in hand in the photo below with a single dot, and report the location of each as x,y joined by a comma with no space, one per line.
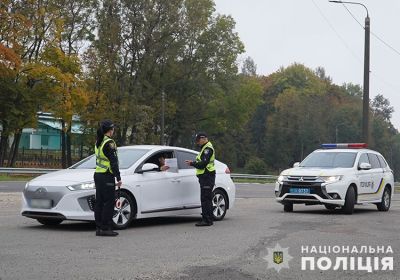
172,163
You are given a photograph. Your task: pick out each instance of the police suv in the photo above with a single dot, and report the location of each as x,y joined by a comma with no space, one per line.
338,175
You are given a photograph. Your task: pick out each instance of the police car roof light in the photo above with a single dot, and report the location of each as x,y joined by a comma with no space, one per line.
344,146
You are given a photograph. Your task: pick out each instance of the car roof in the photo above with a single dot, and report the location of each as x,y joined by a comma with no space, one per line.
154,147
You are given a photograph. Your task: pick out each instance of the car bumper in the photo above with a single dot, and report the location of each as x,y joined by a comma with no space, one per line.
308,199
72,206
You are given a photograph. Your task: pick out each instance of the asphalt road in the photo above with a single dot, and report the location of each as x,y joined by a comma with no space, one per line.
173,248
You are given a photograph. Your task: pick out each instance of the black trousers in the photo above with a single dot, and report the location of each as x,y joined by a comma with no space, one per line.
207,182
105,200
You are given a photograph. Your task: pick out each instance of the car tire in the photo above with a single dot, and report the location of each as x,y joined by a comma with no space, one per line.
288,207
330,207
384,205
219,203
124,215
49,222
349,202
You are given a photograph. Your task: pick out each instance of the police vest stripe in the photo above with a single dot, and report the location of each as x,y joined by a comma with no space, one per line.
210,166
102,162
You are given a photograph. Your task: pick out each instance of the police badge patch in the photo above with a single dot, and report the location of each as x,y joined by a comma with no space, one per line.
112,145
278,257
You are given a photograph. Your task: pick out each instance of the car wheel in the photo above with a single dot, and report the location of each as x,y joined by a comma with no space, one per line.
49,222
219,203
288,207
349,202
124,211
384,205
330,207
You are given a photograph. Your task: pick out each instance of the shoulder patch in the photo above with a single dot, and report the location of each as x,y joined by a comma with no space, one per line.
206,151
112,145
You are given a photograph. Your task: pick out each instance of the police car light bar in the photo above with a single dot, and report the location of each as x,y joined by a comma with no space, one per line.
344,146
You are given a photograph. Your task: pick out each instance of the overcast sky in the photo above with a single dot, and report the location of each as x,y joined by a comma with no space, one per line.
318,33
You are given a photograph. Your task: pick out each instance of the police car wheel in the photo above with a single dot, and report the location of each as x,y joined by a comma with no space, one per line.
288,207
350,200
386,200
124,211
49,222
219,203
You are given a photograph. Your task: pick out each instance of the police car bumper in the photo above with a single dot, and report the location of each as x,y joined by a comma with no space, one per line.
308,199
310,193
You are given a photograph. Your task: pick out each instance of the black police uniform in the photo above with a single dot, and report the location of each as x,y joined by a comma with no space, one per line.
105,189
207,182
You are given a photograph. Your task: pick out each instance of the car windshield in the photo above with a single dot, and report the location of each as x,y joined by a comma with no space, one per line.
329,160
126,158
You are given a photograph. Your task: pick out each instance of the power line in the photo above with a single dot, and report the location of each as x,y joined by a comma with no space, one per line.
336,32
373,34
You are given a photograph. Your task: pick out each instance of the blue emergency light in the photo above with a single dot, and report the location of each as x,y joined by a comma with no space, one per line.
344,146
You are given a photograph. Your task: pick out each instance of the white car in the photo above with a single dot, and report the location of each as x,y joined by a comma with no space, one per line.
69,194
339,175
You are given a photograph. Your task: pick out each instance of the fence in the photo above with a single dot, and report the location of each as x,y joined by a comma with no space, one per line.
43,158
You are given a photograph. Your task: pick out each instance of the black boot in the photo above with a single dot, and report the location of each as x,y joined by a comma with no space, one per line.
98,231
204,223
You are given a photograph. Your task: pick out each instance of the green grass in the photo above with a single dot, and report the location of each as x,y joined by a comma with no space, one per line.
6,177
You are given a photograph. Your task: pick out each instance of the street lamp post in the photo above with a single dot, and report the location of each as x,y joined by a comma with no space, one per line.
365,124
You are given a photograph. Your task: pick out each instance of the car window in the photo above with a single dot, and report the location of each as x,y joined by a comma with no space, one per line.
156,157
374,161
329,160
126,158
363,159
182,156
382,161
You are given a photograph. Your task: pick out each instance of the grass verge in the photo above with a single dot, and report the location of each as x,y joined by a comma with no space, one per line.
16,177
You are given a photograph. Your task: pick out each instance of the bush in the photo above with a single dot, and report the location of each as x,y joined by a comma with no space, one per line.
256,165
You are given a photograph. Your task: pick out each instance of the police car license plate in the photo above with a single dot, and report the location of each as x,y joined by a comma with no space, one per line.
41,203
299,190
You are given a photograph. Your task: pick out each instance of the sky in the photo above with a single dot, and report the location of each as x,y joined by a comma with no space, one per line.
316,33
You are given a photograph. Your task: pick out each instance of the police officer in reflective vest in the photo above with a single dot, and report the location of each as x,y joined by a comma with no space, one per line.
205,171
107,171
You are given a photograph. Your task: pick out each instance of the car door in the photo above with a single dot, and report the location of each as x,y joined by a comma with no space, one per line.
189,185
159,191
364,178
376,175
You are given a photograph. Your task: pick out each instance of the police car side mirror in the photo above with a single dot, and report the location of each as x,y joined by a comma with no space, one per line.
296,164
148,167
364,166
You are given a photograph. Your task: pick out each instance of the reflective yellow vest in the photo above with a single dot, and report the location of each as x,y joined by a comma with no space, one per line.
210,166
102,162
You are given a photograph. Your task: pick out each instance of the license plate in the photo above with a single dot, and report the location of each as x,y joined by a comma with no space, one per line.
299,190
41,203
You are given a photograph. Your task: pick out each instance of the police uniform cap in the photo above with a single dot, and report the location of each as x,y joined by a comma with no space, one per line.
200,135
106,125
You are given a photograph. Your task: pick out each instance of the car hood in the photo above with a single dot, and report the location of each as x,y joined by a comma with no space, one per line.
65,177
309,171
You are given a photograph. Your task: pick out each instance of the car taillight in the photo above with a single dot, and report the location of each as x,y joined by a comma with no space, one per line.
227,171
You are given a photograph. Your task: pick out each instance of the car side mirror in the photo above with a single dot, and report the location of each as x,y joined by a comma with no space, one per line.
148,167
364,166
296,164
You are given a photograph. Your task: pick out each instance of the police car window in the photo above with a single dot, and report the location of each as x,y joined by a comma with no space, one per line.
182,156
126,158
374,161
363,159
329,160
382,161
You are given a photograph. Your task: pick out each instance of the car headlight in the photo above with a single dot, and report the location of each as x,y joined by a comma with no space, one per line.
282,178
331,179
81,187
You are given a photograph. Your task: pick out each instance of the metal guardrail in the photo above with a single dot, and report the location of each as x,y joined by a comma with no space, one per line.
9,170
253,176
